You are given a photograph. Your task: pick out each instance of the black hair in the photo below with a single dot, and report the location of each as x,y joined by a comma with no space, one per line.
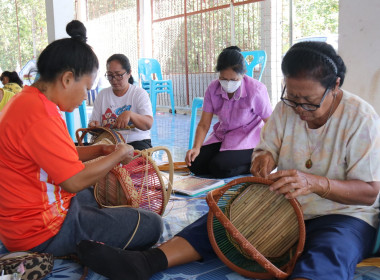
316,60
231,57
13,77
125,64
69,54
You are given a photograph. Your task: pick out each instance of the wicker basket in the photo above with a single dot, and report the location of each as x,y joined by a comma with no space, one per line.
137,184
254,231
100,135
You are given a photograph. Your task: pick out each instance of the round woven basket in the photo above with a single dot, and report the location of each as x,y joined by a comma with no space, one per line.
254,231
137,184
99,135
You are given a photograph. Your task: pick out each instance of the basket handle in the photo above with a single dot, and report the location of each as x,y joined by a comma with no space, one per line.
117,136
79,137
149,153
212,199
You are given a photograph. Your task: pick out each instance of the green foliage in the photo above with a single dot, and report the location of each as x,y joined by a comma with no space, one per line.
31,13
310,18
315,17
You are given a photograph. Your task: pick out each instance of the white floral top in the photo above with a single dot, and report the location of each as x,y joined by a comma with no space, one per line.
349,148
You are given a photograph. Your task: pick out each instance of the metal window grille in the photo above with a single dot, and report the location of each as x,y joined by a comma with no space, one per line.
189,35
112,27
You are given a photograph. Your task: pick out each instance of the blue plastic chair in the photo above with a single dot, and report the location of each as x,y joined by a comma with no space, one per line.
70,120
151,80
197,103
252,59
91,95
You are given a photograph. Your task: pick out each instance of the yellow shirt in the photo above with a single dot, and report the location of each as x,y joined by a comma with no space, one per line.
13,87
5,96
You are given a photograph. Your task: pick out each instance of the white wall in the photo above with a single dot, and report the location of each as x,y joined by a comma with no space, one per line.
58,14
359,46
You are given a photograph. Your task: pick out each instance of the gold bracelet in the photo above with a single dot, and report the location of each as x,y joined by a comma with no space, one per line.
326,193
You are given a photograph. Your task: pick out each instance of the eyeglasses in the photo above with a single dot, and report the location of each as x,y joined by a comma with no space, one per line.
117,77
305,106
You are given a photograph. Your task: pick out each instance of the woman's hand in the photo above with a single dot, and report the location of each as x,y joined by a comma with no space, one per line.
123,120
127,150
293,183
262,164
191,155
94,124
94,170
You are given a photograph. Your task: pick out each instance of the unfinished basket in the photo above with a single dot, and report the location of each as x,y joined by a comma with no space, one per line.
254,231
136,184
99,135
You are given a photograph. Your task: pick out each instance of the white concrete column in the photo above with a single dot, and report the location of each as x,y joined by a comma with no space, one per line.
58,14
271,35
145,29
359,46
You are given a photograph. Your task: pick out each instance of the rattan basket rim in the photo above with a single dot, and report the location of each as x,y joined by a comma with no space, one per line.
212,199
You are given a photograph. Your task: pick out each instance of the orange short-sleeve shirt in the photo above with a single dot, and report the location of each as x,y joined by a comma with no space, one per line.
36,155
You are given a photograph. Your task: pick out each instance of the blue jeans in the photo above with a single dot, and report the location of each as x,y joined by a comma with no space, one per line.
112,226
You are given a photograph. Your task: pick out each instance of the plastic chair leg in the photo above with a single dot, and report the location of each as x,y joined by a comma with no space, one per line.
172,101
153,99
70,124
83,117
197,103
89,97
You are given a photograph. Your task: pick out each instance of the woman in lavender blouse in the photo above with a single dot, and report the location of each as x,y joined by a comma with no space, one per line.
242,105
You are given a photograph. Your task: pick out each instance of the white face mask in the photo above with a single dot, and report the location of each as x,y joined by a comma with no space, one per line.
230,86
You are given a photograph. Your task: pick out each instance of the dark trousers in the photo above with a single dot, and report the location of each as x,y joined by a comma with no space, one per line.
334,245
142,144
221,164
112,226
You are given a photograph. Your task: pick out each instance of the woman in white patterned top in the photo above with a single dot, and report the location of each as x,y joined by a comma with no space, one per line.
325,144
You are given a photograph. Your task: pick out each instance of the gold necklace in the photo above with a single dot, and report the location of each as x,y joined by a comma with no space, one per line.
309,162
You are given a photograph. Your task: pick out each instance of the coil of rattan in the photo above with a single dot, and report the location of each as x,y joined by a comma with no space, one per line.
179,166
254,231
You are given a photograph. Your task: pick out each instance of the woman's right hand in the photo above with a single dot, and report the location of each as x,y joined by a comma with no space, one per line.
191,155
94,124
262,164
127,151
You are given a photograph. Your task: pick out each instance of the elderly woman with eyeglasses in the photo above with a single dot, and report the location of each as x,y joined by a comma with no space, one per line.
325,144
124,105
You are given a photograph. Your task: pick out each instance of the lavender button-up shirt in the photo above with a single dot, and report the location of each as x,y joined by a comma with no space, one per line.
241,117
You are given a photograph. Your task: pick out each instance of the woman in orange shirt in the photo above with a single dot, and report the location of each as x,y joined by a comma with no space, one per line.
46,199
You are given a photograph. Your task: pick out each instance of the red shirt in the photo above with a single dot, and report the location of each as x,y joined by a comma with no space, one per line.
36,155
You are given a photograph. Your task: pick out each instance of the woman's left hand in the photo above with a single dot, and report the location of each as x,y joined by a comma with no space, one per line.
123,120
292,183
